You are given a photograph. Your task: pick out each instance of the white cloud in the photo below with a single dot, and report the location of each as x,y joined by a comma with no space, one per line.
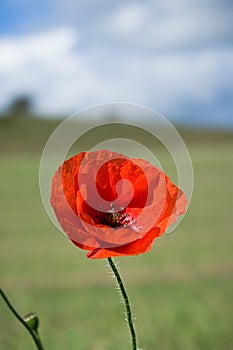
63,78
47,66
176,24
128,18
40,47
169,83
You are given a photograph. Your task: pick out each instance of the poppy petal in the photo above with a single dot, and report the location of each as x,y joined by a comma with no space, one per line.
134,248
104,184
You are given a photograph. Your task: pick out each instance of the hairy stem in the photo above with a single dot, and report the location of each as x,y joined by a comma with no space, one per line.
33,333
126,302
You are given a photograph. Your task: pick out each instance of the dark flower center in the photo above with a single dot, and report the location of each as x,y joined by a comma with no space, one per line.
116,219
112,219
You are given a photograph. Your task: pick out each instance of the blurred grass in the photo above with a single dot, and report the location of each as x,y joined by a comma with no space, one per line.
181,291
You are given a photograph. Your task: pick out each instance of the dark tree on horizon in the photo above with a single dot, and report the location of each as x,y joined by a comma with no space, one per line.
21,106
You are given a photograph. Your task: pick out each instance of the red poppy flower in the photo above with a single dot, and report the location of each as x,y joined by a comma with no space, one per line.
112,205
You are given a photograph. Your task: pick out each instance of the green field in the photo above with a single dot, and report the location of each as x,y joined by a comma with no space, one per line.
181,291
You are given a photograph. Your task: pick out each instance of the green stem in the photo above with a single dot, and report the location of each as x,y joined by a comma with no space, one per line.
126,301
34,334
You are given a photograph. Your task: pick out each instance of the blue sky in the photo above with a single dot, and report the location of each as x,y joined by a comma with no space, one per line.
174,56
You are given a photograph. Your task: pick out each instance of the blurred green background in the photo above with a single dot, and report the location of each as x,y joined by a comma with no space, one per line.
181,291
59,56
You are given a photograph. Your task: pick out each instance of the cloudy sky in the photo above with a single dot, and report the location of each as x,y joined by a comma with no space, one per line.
175,56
